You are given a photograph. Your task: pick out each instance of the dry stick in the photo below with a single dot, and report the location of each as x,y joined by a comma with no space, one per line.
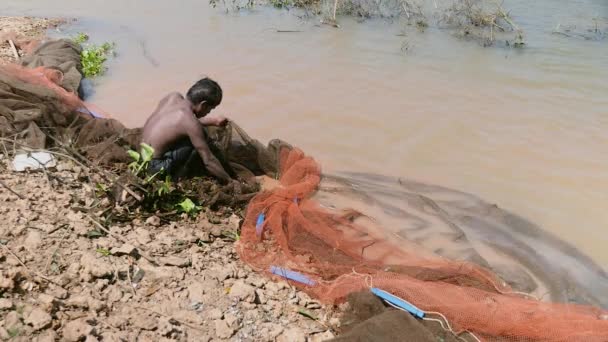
167,316
123,240
129,277
11,190
48,263
27,268
93,167
14,49
407,13
335,9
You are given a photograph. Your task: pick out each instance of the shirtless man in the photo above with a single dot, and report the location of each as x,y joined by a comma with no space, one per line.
175,130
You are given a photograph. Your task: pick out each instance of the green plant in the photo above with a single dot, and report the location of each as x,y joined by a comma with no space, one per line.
280,3
188,207
141,159
81,38
164,187
232,235
103,251
93,58
101,189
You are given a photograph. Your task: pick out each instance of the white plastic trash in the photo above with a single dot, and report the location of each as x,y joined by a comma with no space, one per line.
33,161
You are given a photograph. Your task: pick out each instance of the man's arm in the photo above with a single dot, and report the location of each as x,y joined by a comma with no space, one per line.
213,120
196,134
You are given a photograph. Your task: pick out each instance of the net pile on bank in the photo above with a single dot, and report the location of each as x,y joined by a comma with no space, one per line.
286,233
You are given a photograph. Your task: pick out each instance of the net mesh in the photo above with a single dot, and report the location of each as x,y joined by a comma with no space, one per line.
342,257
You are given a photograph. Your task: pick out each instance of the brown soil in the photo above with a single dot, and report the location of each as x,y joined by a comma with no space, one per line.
23,31
61,278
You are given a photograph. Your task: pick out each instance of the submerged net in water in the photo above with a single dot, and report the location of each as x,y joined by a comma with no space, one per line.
287,230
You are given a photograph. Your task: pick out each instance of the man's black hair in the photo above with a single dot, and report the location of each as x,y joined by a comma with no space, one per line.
205,90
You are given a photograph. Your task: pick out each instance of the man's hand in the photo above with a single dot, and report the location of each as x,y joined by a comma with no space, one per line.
215,120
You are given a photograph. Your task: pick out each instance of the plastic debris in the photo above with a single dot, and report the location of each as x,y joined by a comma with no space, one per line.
291,275
259,225
33,161
398,302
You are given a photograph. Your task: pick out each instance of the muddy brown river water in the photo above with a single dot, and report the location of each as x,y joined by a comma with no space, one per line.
523,128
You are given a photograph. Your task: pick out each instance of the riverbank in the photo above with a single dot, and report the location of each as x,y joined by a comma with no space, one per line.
65,276
60,278
23,33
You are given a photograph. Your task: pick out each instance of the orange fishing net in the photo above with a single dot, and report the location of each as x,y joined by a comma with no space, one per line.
339,257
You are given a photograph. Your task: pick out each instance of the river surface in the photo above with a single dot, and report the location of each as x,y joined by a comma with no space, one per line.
526,128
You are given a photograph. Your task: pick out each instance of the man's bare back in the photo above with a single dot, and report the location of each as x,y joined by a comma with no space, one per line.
175,130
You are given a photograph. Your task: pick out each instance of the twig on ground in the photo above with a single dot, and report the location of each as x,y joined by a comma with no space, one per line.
37,274
11,190
50,259
93,167
14,49
167,316
141,251
129,277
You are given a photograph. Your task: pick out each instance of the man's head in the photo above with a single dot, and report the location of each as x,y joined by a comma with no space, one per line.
204,95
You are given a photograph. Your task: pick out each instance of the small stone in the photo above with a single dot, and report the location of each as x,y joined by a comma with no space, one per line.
125,249
165,328
204,237
142,236
33,240
12,320
242,291
46,336
261,296
274,330
232,320
292,335
76,330
153,221
215,314
80,301
175,261
110,336
114,295
221,273
222,330
4,335
324,336
6,304
196,292
91,338
144,322
234,222
334,322
96,267
216,231
57,292
38,319
258,282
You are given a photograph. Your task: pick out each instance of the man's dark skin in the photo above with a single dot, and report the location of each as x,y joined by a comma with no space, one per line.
176,118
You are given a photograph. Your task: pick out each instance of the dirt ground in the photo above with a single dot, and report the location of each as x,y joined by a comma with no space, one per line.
59,279
22,31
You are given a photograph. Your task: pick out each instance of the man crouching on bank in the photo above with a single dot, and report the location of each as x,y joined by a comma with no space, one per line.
175,130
